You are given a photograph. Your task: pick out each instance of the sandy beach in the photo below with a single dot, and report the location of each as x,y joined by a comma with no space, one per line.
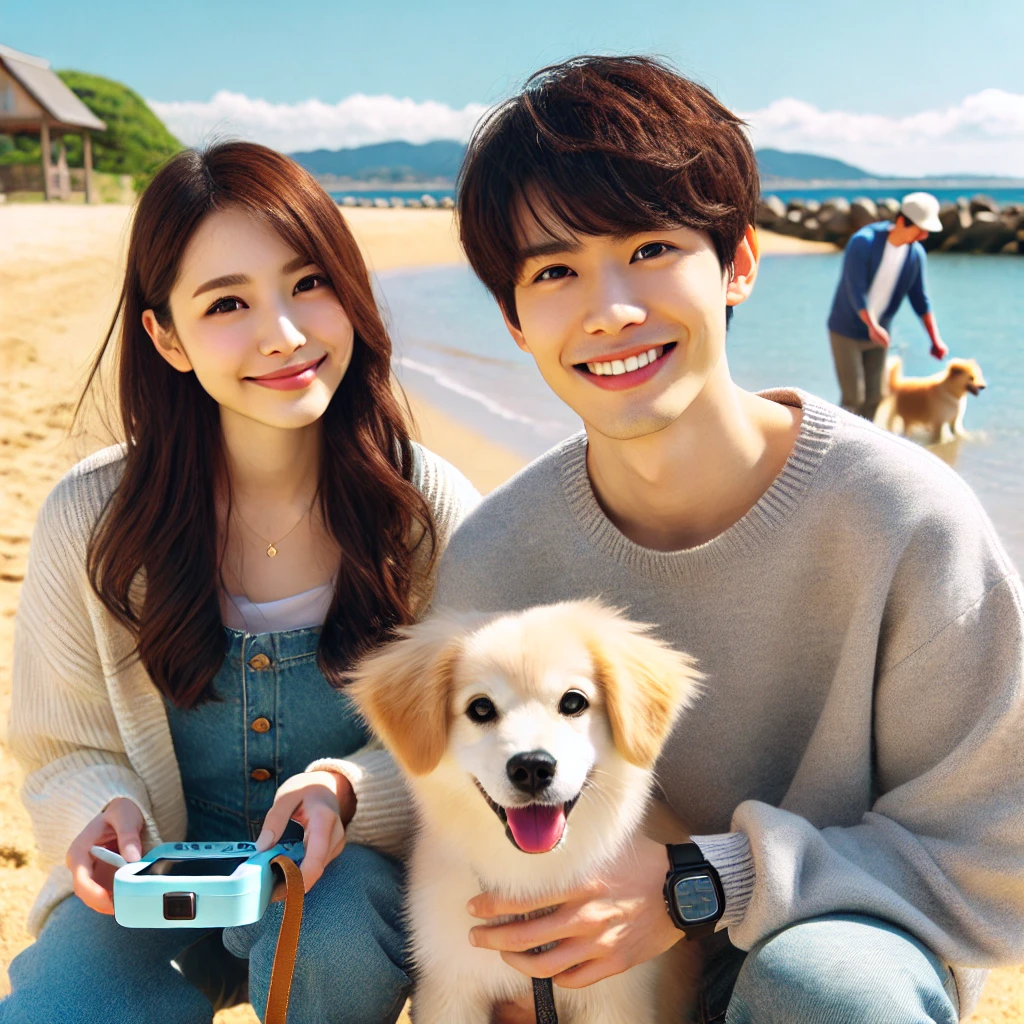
59,276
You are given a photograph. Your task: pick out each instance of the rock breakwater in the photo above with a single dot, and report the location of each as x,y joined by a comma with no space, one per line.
425,202
976,225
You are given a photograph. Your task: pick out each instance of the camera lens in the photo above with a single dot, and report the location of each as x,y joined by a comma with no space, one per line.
179,906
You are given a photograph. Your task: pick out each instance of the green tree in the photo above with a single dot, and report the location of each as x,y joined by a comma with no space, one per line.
19,149
135,142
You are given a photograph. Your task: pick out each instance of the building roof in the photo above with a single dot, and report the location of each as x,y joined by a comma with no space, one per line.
48,90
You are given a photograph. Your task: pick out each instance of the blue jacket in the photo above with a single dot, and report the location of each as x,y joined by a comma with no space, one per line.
860,264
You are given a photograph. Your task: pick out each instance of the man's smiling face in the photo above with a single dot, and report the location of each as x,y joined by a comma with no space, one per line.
626,330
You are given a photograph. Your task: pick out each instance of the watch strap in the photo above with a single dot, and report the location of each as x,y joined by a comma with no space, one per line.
699,931
685,855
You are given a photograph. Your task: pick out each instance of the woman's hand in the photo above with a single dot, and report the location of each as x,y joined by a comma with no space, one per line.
117,827
322,803
603,928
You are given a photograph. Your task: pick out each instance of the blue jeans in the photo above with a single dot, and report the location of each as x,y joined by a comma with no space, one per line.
350,969
840,969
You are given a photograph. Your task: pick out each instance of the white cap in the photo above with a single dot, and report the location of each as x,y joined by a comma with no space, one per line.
922,210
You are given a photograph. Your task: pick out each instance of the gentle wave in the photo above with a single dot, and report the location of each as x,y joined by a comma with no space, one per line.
445,381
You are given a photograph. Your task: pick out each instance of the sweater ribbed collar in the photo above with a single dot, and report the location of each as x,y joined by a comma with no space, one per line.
770,512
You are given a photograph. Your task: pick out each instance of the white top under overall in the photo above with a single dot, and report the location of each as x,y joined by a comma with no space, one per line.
299,611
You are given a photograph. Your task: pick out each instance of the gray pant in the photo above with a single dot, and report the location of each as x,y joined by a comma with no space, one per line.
859,367
843,969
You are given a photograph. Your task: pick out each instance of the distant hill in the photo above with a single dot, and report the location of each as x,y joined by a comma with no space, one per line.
386,161
774,163
398,161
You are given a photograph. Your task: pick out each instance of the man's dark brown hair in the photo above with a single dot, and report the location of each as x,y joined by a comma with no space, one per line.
603,146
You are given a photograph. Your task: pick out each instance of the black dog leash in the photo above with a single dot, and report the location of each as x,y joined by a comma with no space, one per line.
543,990
544,1001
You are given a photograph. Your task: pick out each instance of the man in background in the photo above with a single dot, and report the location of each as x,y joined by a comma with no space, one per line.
883,264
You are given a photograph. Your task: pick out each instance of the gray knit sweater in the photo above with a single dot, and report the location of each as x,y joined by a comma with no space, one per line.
858,747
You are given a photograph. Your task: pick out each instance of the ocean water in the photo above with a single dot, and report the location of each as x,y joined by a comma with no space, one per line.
391,193
1003,196
452,347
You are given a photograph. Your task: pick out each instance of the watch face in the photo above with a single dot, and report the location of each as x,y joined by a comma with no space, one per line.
696,898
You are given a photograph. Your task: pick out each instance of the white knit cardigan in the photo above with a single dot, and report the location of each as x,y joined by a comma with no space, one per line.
87,723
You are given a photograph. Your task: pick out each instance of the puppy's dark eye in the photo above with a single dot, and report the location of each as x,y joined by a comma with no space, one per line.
572,703
481,710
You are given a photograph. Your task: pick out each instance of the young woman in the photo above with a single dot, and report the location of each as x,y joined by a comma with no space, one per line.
195,595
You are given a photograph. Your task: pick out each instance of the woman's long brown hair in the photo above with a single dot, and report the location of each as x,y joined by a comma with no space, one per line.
160,526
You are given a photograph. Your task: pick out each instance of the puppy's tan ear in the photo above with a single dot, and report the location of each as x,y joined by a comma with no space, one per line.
645,684
403,691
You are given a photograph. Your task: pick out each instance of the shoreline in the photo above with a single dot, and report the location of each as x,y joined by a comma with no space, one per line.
59,278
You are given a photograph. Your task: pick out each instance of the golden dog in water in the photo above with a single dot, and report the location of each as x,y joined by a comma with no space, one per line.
931,402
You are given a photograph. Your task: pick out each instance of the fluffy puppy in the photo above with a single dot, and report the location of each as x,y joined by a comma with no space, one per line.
529,742
931,402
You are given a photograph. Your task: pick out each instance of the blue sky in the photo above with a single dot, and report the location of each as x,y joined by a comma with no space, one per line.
893,60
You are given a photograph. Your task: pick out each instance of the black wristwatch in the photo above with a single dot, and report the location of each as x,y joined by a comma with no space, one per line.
693,891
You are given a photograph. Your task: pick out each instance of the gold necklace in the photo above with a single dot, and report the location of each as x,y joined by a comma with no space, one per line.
272,545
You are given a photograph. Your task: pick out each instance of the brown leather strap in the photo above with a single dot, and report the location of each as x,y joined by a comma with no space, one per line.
287,942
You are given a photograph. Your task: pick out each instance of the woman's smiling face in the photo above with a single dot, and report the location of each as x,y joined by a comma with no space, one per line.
261,327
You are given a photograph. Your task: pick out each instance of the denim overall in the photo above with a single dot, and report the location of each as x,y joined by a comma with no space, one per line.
274,714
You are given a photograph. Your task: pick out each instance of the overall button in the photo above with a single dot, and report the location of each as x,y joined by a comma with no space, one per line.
259,774
261,725
258,661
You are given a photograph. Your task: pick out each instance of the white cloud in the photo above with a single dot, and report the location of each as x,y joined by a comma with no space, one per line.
355,121
982,134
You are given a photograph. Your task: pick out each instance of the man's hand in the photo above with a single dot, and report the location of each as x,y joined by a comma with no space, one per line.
117,827
603,928
320,802
878,334
931,325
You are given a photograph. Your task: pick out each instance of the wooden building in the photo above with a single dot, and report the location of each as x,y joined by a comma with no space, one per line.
33,99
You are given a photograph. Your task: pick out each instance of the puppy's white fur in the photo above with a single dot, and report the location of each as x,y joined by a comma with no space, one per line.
415,694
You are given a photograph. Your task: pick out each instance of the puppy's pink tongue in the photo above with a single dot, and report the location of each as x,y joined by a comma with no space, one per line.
536,827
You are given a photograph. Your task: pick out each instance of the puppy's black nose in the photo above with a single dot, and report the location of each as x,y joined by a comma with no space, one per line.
531,772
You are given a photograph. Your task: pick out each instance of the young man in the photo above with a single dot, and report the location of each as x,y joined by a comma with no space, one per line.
852,776
883,264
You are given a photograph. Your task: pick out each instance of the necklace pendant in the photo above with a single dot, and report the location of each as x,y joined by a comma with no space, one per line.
271,551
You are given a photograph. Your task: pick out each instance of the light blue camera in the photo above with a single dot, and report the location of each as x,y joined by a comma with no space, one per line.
195,885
